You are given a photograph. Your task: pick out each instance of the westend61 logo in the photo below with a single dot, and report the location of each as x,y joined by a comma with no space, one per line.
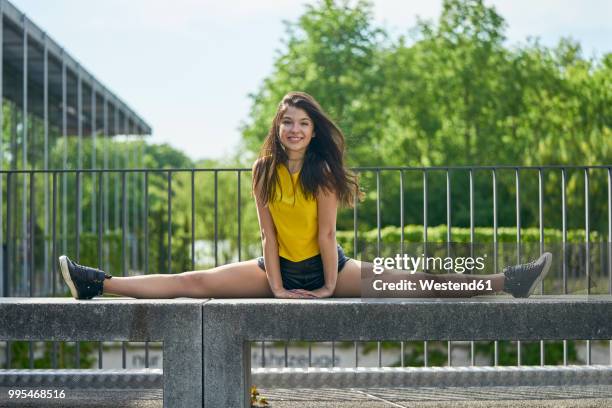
413,264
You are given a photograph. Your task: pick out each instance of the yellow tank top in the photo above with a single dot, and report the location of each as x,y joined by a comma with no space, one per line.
295,218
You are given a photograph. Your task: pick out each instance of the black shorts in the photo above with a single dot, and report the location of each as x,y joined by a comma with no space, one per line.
306,274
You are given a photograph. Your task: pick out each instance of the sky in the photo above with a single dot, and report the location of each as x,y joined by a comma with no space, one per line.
188,66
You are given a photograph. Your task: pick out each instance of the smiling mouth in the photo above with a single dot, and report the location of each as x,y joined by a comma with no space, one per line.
294,139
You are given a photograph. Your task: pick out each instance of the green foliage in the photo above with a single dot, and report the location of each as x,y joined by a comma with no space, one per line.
450,93
66,354
437,234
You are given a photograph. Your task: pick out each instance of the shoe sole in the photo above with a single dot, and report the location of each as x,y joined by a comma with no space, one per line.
66,274
539,279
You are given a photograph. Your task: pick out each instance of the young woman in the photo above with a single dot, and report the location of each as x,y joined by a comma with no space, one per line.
299,180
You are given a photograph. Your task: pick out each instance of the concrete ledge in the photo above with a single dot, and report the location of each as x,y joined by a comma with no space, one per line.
149,378
230,325
206,344
480,318
175,322
423,377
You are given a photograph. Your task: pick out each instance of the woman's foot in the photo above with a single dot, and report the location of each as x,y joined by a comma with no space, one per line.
84,282
521,280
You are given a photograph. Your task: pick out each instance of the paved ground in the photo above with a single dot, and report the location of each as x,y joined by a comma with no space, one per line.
515,397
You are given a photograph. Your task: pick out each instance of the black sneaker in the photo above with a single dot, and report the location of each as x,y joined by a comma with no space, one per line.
84,282
521,280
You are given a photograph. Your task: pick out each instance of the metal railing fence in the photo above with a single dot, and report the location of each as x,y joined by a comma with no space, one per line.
121,220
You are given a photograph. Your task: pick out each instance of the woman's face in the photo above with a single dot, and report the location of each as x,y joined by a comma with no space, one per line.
296,131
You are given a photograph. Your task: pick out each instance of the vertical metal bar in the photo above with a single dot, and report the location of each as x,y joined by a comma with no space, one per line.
518,216
425,344
3,274
355,244
146,223
355,232
146,354
449,353
169,222
333,356
402,352
135,206
286,355
402,241
116,166
45,159
54,355
123,251
610,243
496,353
123,354
378,226
471,174
9,234
100,354
425,217
518,242
587,239
448,210
587,230
100,254
93,155
239,205
80,165
472,354
541,224
64,199
128,177
31,353
32,223
309,354
77,215
106,145
100,222
564,226
143,208
54,234
379,349
79,118
192,220
263,354
146,244
564,247
494,174
24,134
378,237
78,354
216,218
402,215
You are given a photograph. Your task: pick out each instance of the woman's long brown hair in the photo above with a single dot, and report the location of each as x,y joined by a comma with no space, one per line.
323,166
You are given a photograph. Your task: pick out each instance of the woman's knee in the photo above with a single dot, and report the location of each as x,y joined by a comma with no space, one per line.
190,280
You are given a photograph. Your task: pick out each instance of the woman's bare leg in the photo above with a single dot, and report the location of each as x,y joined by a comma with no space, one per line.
350,280
236,280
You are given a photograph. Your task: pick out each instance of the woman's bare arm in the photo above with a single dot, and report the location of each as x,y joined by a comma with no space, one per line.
327,208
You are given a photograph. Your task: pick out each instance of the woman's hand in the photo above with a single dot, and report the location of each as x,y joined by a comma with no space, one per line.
322,292
293,294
